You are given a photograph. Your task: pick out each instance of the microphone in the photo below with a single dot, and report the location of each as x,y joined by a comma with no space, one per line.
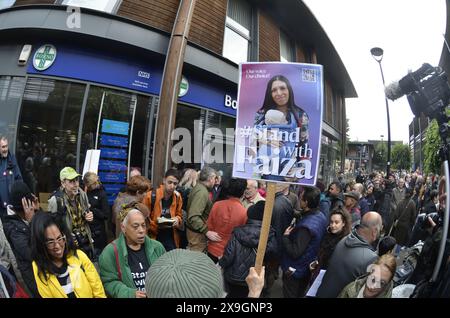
393,91
427,89
408,83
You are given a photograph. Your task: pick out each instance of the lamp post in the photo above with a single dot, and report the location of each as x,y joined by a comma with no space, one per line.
377,54
382,148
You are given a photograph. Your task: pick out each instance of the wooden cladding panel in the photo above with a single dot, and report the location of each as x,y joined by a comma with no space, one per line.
160,14
328,103
269,39
26,2
300,54
208,24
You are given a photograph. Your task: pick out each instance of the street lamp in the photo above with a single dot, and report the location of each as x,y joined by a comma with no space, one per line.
377,54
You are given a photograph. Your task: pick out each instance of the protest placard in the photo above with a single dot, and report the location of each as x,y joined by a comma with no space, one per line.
279,122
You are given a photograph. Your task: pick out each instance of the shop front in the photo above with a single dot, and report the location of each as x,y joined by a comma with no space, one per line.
73,99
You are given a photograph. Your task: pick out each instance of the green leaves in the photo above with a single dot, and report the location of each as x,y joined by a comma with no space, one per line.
432,162
401,157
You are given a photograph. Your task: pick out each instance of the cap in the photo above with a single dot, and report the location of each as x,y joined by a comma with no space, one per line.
68,173
352,194
184,274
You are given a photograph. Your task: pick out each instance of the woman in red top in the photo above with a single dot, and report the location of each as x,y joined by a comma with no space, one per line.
226,213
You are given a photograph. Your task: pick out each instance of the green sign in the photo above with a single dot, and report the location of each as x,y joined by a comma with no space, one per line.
184,87
44,57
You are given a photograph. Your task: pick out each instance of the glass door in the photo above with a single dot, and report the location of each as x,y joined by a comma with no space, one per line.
118,123
114,137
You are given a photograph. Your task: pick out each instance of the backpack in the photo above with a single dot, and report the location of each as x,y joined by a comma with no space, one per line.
9,286
404,271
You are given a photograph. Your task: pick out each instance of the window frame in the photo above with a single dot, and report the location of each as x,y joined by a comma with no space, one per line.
291,47
250,35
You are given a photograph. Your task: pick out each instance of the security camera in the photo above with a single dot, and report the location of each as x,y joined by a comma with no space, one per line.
25,54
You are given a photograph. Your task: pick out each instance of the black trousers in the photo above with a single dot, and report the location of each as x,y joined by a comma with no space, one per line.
295,287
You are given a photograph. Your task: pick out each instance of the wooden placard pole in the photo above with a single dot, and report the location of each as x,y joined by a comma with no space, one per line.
265,228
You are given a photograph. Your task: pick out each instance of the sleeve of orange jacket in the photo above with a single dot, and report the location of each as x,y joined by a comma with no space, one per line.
179,209
151,217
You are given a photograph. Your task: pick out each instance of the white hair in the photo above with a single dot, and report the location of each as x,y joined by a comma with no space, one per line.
131,212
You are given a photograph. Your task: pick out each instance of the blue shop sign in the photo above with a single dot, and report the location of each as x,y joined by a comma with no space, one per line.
113,153
142,75
115,141
111,198
115,127
112,165
113,188
113,177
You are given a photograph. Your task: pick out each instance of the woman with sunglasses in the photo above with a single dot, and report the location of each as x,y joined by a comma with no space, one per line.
60,270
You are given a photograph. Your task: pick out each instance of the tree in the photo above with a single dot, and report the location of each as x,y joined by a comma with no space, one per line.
401,157
432,162
380,155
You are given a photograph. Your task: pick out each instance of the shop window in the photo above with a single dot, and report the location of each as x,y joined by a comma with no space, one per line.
48,130
218,143
187,146
6,3
11,90
286,48
210,139
109,6
238,42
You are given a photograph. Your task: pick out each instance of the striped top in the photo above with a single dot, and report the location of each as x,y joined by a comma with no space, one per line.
62,274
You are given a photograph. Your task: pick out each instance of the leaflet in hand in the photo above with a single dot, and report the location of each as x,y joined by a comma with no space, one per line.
163,220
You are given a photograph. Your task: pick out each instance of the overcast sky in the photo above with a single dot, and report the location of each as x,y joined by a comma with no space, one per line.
409,31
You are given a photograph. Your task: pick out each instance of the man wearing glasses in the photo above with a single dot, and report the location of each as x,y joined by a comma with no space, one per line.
72,206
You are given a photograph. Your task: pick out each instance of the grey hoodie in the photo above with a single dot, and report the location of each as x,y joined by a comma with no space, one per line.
349,261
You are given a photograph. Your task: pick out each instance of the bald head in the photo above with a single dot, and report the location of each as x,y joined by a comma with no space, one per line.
371,224
372,219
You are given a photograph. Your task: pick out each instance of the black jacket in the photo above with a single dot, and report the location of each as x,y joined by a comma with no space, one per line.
18,234
240,252
9,173
349,260
98,200
282,215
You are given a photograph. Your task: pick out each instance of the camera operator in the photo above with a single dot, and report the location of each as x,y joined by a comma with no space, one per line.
431,223
72,207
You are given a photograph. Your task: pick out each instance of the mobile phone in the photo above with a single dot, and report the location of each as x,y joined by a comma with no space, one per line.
293,222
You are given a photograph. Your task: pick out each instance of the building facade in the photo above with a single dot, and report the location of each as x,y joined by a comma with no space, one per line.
359,157
417,131
75,79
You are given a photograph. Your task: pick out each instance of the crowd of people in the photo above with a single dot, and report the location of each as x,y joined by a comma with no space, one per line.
197,234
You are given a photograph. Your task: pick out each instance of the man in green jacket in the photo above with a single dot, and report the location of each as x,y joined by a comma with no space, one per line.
125,261
198,208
